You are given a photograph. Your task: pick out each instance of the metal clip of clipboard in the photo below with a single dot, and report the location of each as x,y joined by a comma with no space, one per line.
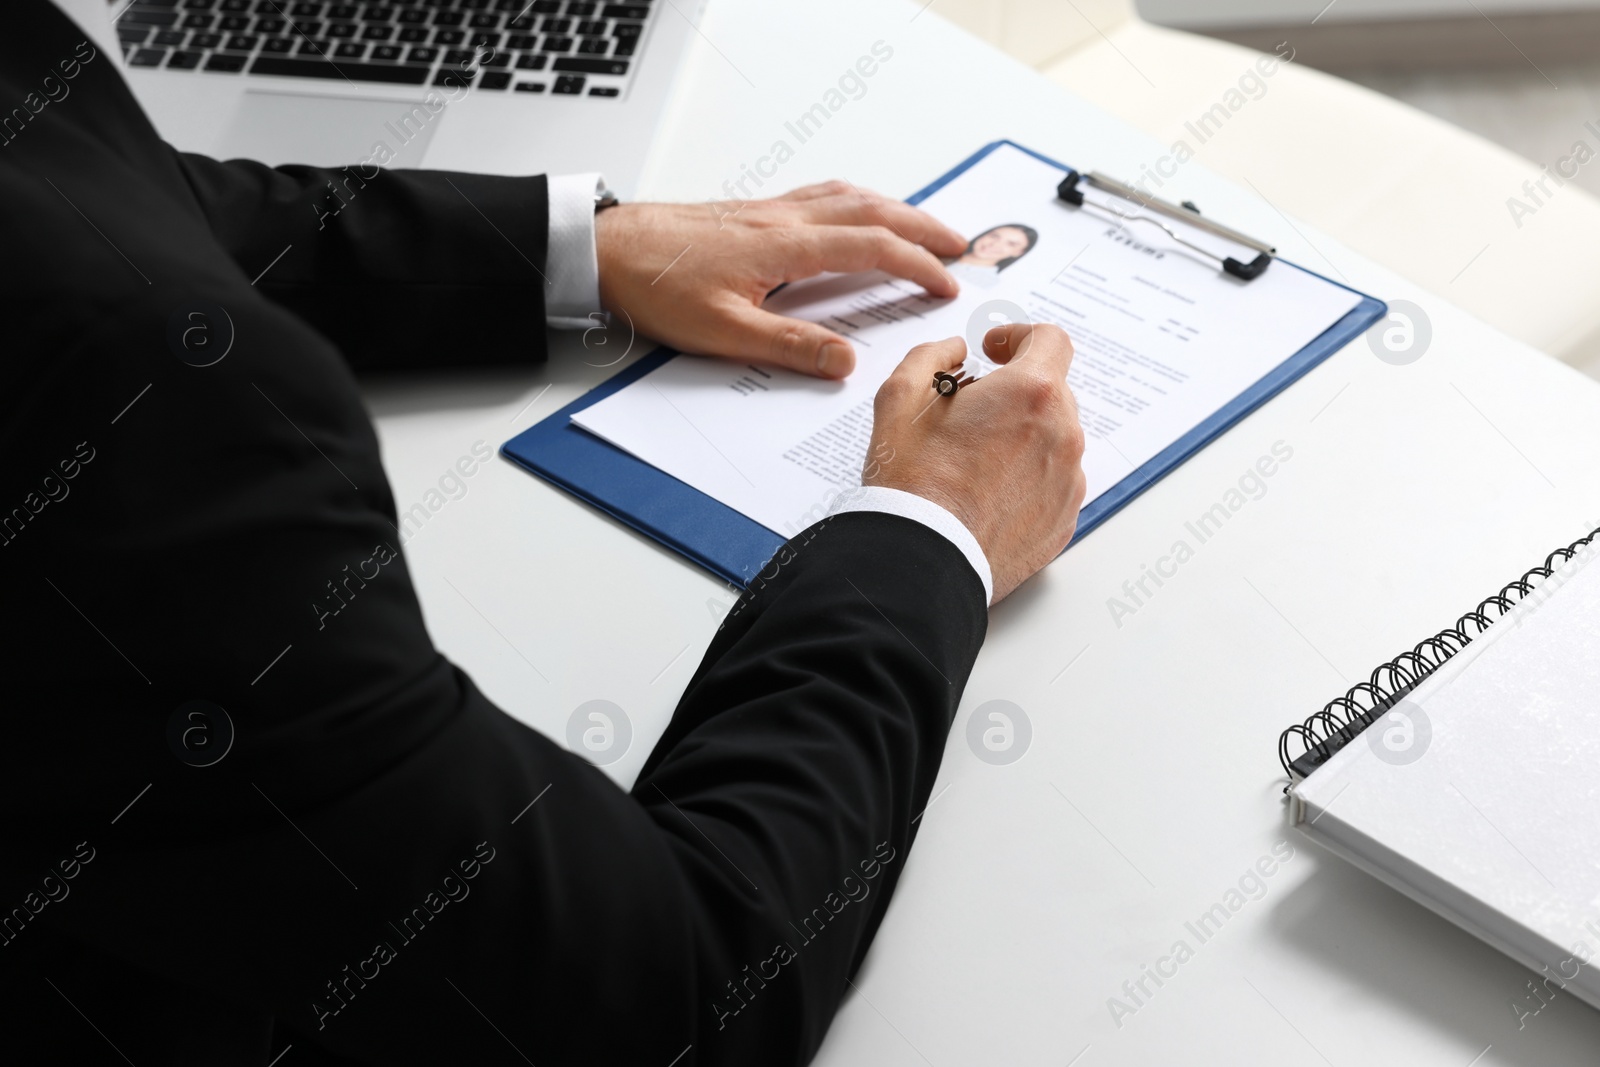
1070,191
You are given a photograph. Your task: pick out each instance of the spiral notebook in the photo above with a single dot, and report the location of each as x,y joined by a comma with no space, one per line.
1463,772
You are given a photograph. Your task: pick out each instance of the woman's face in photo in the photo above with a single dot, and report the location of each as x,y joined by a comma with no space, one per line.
1003,242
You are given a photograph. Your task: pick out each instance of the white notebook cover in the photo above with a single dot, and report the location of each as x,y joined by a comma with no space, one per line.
1493,821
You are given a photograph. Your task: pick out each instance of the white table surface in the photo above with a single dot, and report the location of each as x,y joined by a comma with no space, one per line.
1151,784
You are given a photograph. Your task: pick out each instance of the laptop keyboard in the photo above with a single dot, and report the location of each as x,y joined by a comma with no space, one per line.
565,47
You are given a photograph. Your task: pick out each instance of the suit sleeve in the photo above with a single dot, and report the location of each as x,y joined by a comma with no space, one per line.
804,747
400,268
380,864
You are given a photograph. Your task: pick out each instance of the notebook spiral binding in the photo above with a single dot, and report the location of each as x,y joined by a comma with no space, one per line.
1342,719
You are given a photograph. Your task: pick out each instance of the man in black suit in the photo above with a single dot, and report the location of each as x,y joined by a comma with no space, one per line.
362,875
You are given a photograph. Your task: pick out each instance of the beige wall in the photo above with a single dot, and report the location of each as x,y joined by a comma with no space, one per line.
1198,14
1036,31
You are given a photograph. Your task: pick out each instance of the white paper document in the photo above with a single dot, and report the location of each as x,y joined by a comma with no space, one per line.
1163,339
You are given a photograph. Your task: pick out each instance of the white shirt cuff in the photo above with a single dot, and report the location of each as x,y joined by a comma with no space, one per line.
571,266
919,509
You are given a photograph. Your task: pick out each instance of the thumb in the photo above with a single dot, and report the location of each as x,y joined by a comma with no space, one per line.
799,346
1002,344
1046,343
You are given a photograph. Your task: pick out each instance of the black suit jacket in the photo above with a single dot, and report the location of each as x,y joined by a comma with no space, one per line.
360,876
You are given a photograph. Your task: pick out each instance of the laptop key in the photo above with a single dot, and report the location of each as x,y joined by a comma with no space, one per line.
608,90
147,57
627,29
413,35
319,68
533,62
594,46
272,25
184,60
558,44
227,64
580,65
387,52
626,11
350,50
569,84
132,34
278,45
530,87
234,24
455,79
150,18
241,43
626,47
448,36
205,40
168,37
591,27
422,55
309,47
198,22
494,79
376,33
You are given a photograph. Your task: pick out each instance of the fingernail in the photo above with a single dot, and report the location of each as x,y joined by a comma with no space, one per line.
834,359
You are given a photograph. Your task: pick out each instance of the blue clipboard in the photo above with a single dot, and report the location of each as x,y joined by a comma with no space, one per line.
736,548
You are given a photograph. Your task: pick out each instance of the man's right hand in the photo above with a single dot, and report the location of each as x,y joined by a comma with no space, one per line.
1004,455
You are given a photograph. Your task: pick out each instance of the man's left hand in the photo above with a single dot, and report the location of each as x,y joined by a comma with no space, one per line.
694,276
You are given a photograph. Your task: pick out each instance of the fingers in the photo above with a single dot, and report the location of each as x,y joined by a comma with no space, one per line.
801,346
1043,344
848,249
861,208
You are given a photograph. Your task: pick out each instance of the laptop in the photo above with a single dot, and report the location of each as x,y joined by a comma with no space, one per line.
493,86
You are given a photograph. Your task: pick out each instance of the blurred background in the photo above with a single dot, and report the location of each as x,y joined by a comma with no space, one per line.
1455,141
